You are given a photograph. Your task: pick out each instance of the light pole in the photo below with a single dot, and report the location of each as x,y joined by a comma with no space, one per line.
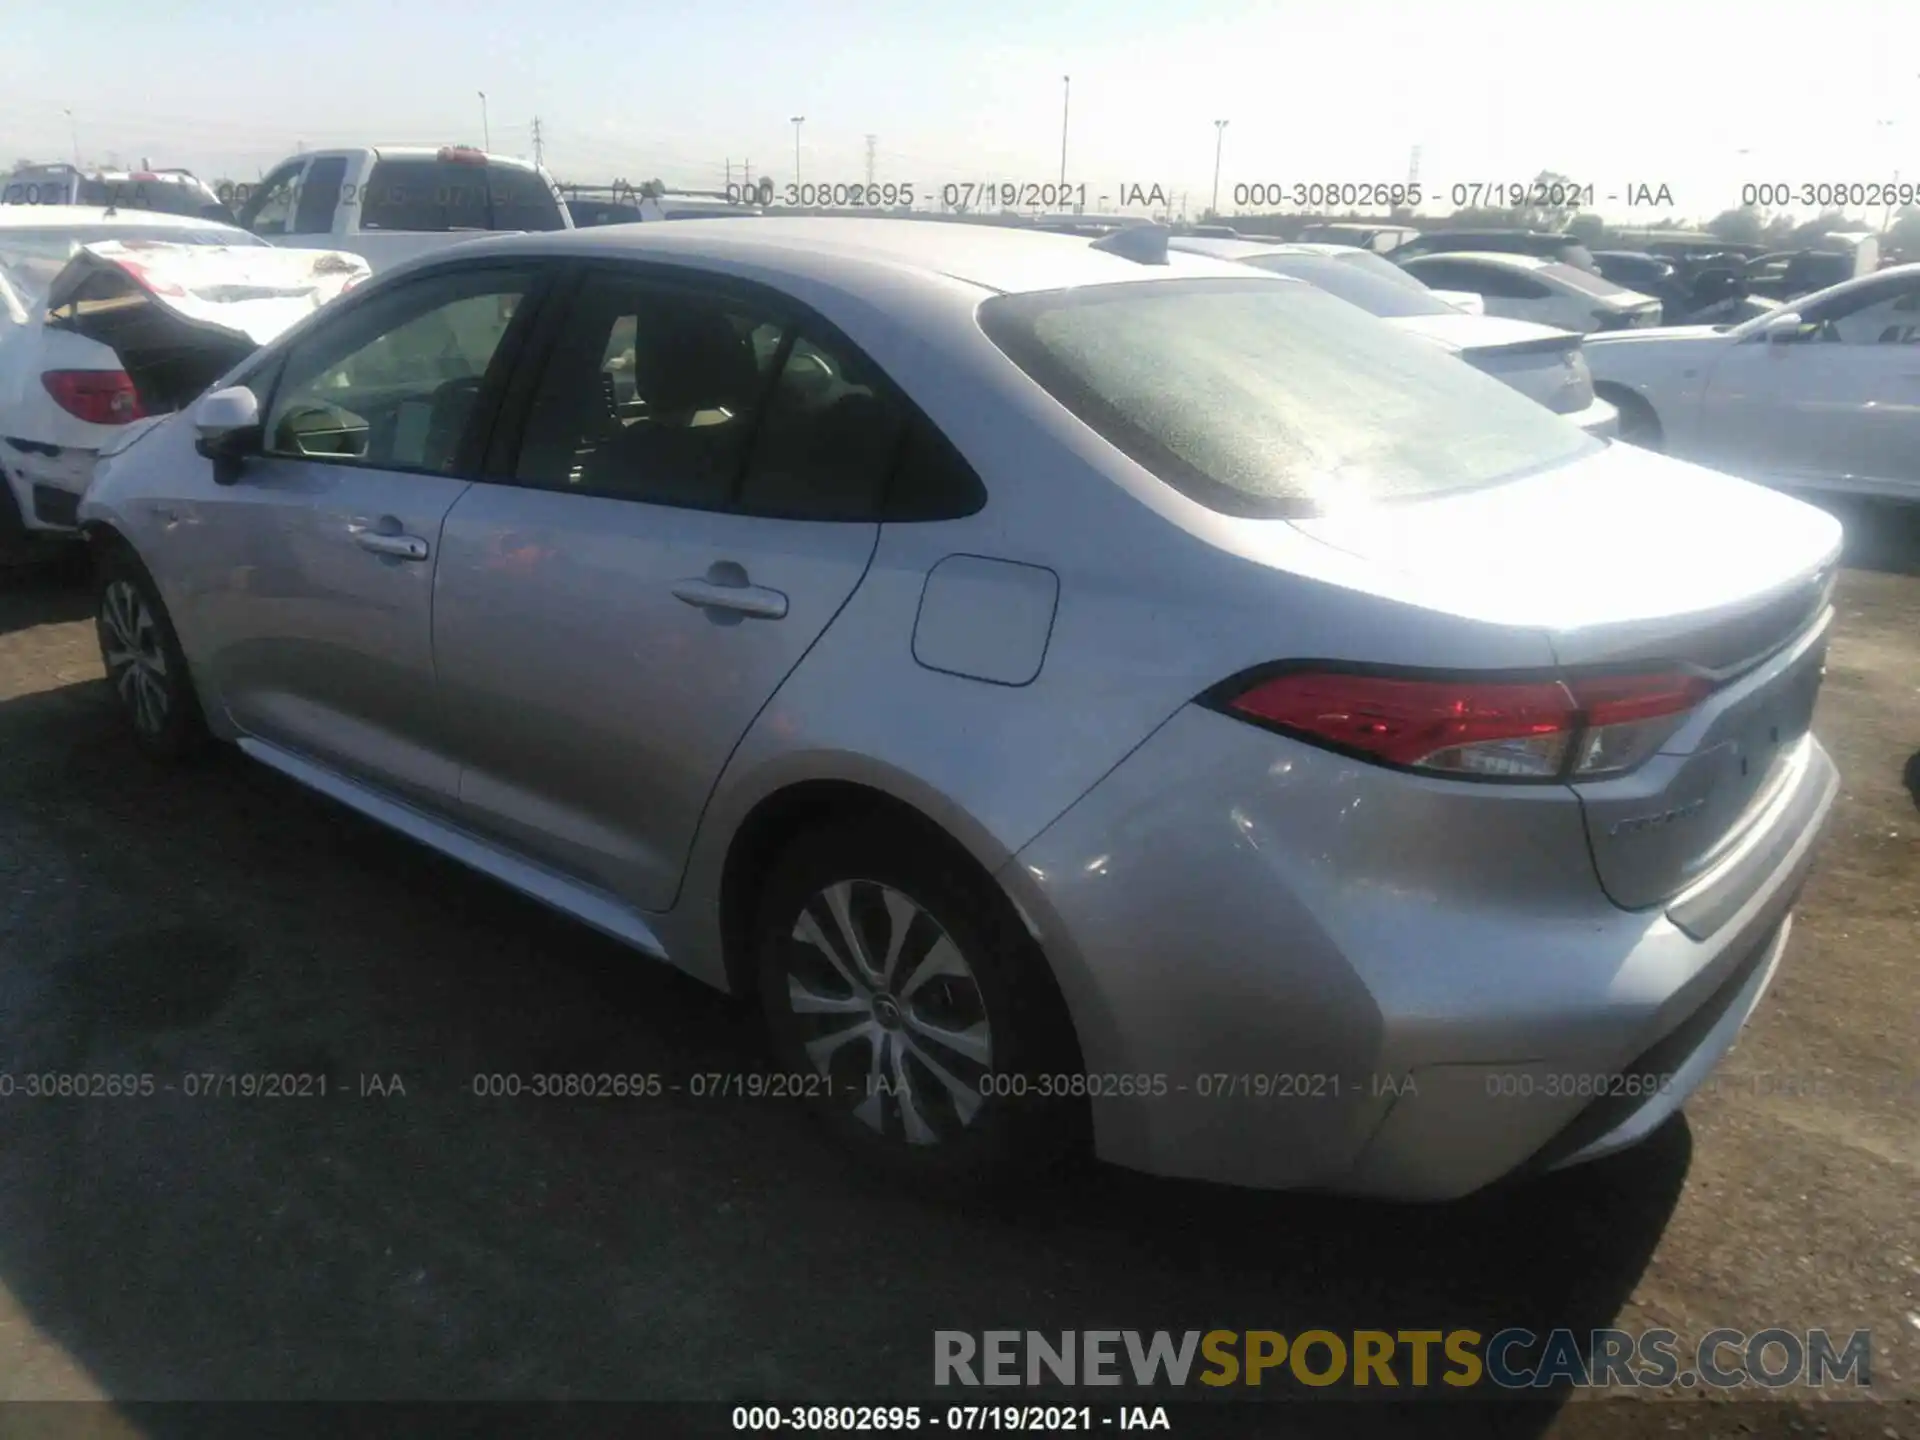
1066,99
73,128
798,121
1219,139
486,134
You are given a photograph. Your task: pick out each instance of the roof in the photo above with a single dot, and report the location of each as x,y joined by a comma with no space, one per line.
411,152
1507,258
833,250
83,217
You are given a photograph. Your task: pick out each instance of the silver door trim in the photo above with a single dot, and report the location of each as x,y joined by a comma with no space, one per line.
584,903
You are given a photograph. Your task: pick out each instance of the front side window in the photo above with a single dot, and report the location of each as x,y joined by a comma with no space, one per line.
269,209
392,383
1883,315
1273,400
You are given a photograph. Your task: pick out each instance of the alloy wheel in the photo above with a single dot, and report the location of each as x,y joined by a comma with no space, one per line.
135,656
888,1010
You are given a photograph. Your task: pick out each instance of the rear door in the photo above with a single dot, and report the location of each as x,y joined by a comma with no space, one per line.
690,498
312,576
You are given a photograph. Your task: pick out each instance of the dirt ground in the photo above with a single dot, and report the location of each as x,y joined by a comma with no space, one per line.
431,1244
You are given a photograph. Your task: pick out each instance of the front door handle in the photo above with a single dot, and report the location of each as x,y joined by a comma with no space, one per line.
725,588
402,547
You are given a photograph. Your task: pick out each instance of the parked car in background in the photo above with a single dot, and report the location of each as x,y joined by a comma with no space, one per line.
109,317
1542,244
622,205
1649,274
1542,363
164,192
1378,238
1788,274
587,211
1266,692
1819,395
393,202
1704,290
1525,287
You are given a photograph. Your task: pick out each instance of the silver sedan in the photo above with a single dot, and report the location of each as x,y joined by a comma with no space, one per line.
1094,698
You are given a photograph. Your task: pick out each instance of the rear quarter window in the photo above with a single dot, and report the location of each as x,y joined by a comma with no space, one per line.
1271,399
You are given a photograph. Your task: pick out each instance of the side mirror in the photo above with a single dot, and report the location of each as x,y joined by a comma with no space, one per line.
227,423
1781,328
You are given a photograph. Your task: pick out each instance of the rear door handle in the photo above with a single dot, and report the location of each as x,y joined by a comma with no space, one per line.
754,600
403,547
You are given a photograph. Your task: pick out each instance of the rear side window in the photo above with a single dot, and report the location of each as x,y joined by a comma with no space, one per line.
432,194
1273,400
676,395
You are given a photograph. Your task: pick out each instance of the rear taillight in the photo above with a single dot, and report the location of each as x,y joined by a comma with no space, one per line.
99,397
1577,729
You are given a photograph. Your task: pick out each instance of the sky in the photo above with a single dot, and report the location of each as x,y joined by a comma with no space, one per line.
1695,95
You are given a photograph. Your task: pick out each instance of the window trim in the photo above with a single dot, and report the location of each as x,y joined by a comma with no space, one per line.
473,441
798,319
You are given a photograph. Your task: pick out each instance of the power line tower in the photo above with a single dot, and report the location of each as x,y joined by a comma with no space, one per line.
872,140
538,148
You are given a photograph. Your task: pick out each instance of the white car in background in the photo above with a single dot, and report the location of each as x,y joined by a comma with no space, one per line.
1540,362
109,317
1526,287
1821,395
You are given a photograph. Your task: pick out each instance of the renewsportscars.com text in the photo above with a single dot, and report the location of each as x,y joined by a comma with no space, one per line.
1512,1359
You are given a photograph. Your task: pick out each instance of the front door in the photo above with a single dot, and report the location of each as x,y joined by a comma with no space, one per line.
695,497
316,601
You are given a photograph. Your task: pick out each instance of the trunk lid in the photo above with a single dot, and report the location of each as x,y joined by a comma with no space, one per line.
1635,561
181,316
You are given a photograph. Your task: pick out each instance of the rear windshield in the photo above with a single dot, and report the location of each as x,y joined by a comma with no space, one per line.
1265,398
1388,295
431,194
1583,280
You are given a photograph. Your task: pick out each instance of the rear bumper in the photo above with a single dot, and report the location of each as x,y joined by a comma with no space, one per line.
1337,996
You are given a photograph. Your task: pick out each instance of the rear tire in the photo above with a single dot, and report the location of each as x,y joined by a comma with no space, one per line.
896,980
146,669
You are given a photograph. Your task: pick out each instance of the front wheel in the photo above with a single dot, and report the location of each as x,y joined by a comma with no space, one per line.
896,981
144,664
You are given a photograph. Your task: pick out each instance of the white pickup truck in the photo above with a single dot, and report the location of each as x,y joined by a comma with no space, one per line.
393,202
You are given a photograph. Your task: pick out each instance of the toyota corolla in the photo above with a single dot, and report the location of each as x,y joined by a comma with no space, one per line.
1086,696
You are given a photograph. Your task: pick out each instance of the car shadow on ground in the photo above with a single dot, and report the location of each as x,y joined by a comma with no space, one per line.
403,1237
43,593
1881,534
